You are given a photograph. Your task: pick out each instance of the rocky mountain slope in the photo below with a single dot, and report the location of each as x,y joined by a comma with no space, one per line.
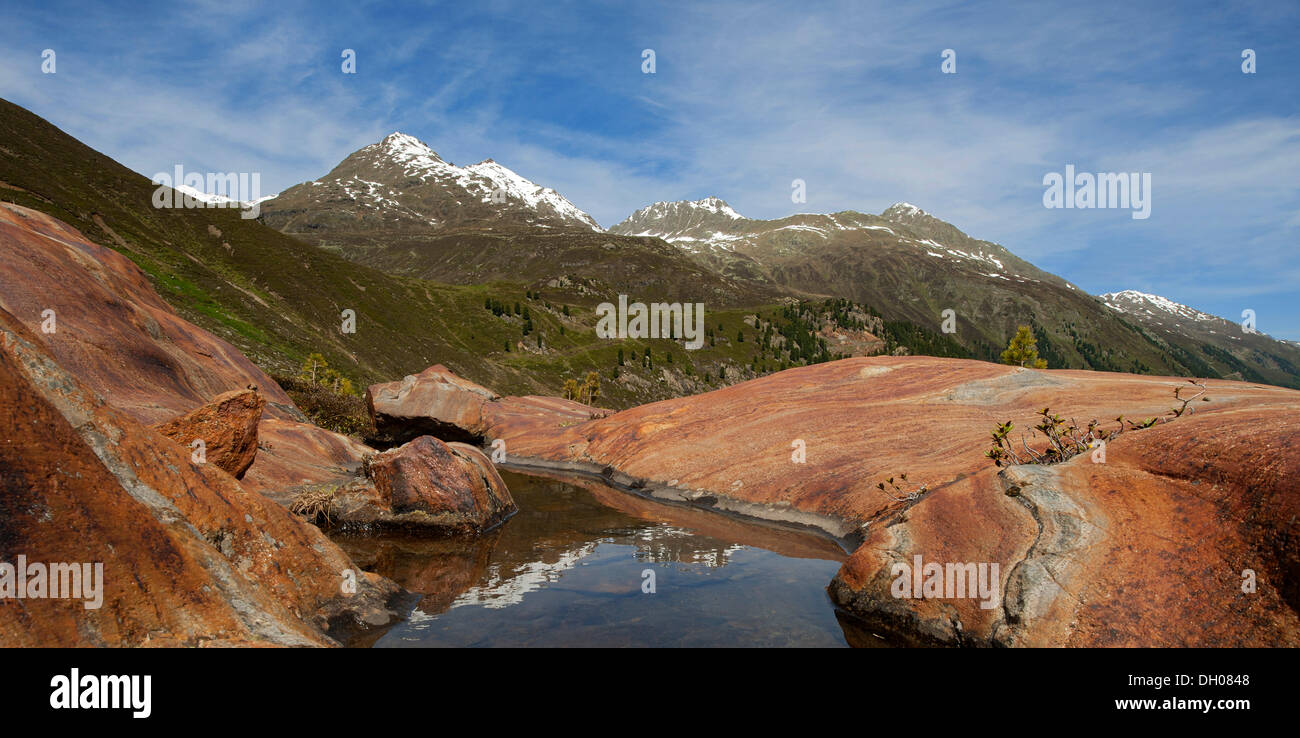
397,206
911,265
1224,346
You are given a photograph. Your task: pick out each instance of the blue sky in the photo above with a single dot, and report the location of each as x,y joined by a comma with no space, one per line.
746,97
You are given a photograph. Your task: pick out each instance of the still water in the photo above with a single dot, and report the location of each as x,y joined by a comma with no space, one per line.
570,569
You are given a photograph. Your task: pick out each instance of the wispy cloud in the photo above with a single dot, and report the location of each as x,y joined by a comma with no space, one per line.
847,96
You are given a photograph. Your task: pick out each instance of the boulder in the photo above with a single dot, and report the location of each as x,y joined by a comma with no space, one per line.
227,426
438,403
429,485
434,402
189,557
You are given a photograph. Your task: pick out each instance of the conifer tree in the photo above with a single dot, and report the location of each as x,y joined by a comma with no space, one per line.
1023,350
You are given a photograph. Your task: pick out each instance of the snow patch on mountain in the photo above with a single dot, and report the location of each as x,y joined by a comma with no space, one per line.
1134,302
217,199
694,225
710,224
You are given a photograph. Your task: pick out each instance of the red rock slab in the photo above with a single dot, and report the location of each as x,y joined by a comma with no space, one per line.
534,412
189,556
969,521
1065,543
111,329
115,334
860,420
1147,548
227,426
1203,499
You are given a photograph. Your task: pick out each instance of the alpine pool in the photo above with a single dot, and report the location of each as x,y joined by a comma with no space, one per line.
584,565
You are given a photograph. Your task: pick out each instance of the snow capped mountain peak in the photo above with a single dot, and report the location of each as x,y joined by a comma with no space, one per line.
404,141
403,177
903,209
409,152
715,205
689,208
686,223
1132,301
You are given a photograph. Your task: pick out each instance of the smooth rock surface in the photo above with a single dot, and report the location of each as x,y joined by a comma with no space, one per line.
1148,548
111,329
292,456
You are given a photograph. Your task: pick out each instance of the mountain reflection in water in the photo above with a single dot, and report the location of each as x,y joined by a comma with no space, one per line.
566,570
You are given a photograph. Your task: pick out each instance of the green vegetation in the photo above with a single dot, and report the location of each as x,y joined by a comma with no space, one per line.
328,398
920,341
1023,351
898,493
587,392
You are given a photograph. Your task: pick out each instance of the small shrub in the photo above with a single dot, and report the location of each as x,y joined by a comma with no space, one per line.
898,493
1065,441
331,410
585,392
1023,350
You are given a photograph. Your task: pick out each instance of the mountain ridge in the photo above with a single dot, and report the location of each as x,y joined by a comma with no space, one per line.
906,263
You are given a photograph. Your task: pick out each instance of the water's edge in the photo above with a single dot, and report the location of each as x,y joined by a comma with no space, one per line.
843,534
